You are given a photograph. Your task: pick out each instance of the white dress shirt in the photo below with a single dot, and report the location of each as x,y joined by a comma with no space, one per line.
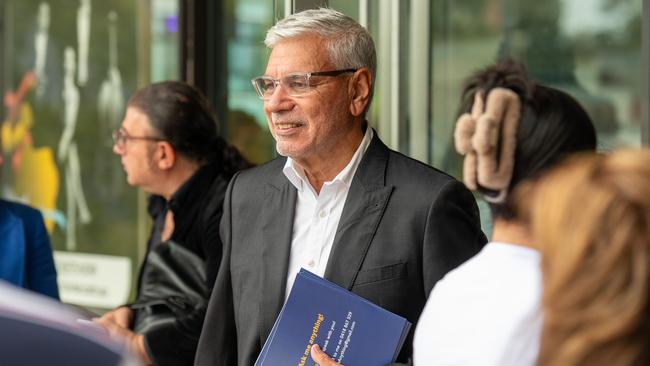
317,215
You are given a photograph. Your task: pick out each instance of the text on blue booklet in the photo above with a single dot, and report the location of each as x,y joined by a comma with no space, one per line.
350,329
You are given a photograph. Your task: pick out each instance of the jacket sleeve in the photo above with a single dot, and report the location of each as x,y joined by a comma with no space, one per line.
218,340
212,245
41,273
453,233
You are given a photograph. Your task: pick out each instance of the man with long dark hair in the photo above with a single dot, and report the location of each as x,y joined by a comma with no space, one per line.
169,147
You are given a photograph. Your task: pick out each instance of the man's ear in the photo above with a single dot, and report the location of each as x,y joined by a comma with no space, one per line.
359,91
166,155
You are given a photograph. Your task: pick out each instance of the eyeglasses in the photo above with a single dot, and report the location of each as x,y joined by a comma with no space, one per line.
295,85
120,137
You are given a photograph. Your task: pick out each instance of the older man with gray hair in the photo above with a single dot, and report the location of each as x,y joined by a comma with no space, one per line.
337,202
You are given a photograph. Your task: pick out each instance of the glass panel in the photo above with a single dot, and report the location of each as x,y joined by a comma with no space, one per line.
164,40
389,25
246,124
69,67
347,7
280,8
590,49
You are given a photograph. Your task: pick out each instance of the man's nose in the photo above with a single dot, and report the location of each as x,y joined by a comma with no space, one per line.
117,150
279,100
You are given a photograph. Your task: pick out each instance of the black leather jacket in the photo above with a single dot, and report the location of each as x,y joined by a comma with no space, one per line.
176,277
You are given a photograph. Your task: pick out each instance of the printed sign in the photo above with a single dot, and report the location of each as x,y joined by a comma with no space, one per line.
101,281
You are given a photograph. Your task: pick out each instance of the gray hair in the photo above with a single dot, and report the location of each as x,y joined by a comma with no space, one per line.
348,43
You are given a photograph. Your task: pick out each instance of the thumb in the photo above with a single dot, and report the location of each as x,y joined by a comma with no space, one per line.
321,357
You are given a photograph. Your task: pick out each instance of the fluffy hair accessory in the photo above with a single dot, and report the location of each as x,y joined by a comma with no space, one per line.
487,138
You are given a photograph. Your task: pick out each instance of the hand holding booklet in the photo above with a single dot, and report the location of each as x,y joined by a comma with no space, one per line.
350,329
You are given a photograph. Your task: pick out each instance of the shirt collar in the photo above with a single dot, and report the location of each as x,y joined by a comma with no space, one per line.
296,174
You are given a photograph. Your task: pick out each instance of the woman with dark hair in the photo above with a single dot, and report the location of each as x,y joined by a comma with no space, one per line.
170,147
487,310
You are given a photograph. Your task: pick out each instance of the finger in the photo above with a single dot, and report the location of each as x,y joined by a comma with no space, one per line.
317,354
113,328
320,357
120,332
123,316
110,326
108,316
102,321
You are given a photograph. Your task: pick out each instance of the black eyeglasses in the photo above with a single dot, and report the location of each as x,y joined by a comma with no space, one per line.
120,137
296,84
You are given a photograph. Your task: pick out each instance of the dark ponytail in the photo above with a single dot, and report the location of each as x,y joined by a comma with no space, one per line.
228,158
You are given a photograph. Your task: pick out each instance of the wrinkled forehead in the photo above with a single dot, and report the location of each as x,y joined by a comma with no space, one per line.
300,54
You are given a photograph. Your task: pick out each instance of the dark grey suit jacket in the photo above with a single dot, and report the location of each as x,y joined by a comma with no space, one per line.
403,227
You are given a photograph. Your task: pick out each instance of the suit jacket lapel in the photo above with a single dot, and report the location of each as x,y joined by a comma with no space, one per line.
277,229
361,214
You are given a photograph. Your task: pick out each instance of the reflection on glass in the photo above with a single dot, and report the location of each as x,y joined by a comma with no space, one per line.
68,154
164,40
246,125
590,49
67,68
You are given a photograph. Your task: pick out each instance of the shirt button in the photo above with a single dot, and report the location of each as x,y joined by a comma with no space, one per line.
322,214
311,263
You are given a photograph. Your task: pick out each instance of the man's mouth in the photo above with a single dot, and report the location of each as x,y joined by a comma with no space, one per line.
287,125
286,121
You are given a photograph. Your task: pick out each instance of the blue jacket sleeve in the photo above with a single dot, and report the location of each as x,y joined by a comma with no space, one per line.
41,273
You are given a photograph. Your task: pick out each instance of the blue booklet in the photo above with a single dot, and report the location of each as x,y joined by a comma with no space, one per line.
350,329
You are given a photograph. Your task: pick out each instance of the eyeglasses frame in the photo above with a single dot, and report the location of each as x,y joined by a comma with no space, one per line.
121,137
307,75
